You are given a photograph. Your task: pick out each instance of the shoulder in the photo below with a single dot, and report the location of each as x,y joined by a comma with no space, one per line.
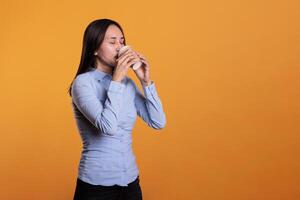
82,83
82,79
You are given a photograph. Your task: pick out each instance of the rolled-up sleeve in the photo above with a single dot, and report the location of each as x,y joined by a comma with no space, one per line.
149,107
103,116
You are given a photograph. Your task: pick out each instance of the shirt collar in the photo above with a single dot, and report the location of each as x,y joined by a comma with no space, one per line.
99,75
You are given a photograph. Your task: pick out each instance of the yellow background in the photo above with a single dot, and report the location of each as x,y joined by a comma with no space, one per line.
227,73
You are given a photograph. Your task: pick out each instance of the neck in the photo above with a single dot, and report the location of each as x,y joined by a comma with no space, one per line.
104,68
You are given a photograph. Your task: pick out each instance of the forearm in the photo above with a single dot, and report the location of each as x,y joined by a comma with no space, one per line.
150,107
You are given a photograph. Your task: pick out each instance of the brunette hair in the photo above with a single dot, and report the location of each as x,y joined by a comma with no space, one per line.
93,37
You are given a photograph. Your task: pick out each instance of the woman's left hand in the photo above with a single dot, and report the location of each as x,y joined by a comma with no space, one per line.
143,73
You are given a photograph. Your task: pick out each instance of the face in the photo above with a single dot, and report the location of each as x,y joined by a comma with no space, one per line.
110,46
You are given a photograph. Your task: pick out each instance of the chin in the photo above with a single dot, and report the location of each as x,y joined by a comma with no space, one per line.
112,65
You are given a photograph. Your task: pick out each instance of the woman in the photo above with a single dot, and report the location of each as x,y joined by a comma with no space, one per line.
106,103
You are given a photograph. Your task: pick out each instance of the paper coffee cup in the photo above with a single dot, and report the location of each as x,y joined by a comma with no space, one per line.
123,49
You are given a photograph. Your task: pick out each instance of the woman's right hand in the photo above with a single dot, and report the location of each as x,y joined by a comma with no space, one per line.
123,64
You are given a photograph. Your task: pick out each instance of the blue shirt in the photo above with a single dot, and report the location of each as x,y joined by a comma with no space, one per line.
105,112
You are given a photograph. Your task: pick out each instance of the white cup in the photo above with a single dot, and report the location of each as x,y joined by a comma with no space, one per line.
135,65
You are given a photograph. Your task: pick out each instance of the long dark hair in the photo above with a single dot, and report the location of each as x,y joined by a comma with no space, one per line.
92,39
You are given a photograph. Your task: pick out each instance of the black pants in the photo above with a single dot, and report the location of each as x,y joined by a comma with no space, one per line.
86,191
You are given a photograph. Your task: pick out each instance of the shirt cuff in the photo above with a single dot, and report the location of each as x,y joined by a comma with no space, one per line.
144,86
150,90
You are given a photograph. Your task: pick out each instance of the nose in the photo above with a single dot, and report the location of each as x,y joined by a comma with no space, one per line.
120,45
118,48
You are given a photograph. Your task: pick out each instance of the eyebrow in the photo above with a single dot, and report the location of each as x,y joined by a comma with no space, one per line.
115,38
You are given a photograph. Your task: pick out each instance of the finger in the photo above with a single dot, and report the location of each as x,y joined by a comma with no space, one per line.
130,59
129,54
130,63
128,51
125,61
146,63
123,58
136,54
123,53
141,56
